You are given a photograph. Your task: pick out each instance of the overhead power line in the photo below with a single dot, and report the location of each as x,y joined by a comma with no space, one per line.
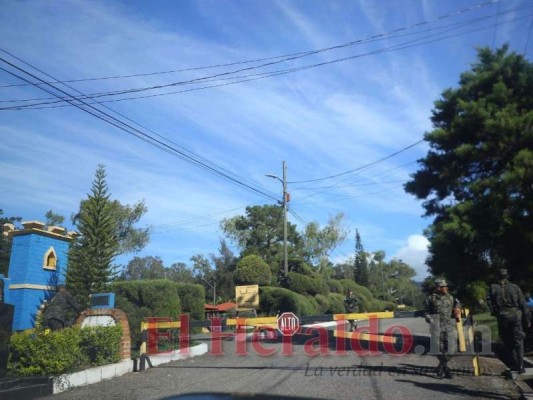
401,46
285,56
126,127
191,221
363,166
228,75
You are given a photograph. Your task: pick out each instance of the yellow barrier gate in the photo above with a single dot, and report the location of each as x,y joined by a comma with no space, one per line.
270,323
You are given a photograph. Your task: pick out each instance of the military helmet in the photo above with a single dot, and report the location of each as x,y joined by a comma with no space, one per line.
441,283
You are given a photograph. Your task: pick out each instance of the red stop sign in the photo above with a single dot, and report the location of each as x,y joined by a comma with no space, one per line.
288,324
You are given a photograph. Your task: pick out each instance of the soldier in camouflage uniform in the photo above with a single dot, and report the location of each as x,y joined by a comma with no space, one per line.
509,306
440,308
56,312
351,305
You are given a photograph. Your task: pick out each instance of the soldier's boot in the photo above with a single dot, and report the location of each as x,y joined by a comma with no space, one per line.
448,373
517,358
520,359
440,370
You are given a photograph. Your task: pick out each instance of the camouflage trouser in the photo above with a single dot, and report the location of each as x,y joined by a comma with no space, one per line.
443,340
512,335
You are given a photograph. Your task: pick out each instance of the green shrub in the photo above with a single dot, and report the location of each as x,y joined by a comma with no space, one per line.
362,293
192,299
37,353
101,344
300,283
347,284
323,304
67,350
252,270
306,305
146,298
336,301
299,266
307,284
335,286
273,300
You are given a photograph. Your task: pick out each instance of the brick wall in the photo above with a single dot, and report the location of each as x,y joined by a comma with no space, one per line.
120,318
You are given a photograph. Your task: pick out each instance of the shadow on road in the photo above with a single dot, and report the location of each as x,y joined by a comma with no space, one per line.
455,389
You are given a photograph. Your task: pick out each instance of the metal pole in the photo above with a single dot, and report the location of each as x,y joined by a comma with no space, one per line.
382,279
285,258
214,290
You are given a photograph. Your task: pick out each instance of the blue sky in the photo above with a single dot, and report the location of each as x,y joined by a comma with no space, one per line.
338,110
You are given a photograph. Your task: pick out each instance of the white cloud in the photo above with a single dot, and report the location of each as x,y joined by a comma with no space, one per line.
415,254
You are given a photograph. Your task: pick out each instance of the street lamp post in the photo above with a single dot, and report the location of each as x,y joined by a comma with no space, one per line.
284,204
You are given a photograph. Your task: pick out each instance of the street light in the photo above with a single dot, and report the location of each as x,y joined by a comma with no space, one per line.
214,290
284,204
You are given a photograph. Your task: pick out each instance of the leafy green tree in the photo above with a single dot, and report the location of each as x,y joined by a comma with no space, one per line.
376,273
144,268
252,270
477,177
225,264
319,243
180,272
204,274
344,270
53,219
360,262
202,268
399,281
260,232
5,242
91,254
131,239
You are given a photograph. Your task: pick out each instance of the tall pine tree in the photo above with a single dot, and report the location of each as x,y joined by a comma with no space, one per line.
476,180
92,253
360,263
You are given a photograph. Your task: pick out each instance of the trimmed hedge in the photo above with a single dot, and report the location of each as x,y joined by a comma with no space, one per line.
192,298
299,266
252,270
323,304
101,344
63,351
273,300
335,286
336,301
362,293
146,298
307,284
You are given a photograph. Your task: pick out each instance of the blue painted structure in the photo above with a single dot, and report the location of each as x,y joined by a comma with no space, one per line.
102,300
31,280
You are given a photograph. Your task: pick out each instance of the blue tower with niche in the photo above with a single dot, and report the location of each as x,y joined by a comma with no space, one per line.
37,265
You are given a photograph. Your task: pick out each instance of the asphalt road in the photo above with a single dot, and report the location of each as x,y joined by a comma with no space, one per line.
327,374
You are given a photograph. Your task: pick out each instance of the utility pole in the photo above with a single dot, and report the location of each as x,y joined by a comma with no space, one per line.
382,279
284,202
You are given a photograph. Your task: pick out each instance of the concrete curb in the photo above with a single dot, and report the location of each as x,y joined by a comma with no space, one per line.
104,372
158,359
